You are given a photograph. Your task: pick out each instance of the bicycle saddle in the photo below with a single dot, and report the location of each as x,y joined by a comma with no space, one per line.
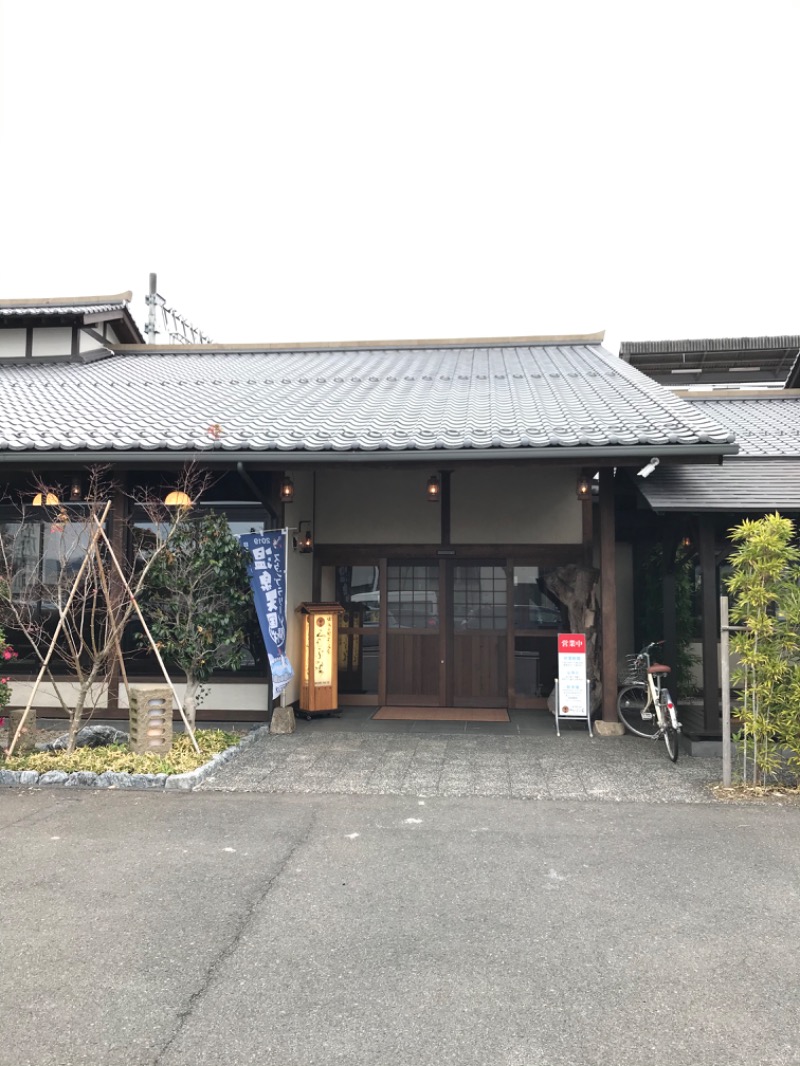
658,668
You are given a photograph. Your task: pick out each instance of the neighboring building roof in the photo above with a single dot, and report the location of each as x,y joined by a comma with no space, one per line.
761,485
723,361
764,476
81,310
764,424
481,400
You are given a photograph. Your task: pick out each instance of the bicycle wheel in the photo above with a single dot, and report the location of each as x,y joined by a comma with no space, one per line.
635,711
670,732
671,740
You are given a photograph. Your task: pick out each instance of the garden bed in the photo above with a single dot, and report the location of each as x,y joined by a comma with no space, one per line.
115,766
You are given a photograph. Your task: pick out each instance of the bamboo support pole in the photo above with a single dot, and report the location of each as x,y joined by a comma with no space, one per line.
149,636
62,611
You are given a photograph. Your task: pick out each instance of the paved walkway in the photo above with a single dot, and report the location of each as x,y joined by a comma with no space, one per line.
353,757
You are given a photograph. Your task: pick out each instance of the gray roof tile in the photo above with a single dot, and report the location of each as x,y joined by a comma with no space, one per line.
515,396
750,485
766,425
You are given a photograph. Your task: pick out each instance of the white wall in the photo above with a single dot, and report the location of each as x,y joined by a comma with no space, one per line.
12,343
57,340
222,696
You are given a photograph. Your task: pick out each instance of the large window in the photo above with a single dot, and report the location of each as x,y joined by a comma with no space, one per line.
142,661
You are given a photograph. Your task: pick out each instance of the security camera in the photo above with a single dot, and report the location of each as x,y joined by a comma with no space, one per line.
646,471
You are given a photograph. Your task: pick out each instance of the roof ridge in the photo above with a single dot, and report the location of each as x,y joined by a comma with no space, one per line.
68,301
579,339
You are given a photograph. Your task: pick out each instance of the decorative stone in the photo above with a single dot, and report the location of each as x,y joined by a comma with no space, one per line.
151,719
27,738
116,779
91,736
180,782
80,778
53,777
608,729
28,777
282,720
139,780
9,778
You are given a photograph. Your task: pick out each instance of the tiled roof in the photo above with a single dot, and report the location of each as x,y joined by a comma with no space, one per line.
397,400
764,425
764,476
761,485
65,305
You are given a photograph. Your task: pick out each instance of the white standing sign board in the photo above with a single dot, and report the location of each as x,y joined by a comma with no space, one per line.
573,690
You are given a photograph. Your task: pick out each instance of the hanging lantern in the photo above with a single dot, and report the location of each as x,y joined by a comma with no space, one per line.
434,489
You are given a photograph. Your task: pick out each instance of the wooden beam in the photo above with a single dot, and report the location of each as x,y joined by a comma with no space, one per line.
708,571
608,595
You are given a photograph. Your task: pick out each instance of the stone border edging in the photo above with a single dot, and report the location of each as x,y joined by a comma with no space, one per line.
122,780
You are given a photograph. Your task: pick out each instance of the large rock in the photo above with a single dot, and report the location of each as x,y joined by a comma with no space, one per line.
91,736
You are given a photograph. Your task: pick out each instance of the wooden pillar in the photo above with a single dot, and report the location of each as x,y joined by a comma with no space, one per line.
608,595
708,571
444,504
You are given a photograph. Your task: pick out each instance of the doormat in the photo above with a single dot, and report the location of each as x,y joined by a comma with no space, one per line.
442,714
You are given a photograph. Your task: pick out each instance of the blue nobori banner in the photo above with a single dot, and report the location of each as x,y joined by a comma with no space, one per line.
266,566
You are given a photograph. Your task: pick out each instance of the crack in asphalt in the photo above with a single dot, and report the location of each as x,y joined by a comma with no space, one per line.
229,949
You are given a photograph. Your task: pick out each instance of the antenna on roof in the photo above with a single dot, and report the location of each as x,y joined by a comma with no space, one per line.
179,329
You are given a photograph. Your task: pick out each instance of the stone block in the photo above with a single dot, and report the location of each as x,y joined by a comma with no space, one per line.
27,738
608,729
151,719
282,720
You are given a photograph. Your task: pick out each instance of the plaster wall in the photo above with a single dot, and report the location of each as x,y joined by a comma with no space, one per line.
57,340
515,505
490,504
12,343
223,696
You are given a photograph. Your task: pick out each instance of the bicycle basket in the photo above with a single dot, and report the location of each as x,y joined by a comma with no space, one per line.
634,671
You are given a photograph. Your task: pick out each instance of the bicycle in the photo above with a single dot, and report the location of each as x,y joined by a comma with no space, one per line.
644,704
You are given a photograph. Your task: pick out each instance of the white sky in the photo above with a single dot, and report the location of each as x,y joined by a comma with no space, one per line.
362,170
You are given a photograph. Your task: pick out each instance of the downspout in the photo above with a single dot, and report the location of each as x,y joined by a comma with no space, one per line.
262,499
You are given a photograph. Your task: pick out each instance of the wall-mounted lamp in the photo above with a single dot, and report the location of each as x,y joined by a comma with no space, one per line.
646,471
434,489
75,492
49,500
177,499
287,490
584,487
686,542
303,541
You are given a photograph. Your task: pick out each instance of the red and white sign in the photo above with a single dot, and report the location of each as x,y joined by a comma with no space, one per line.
572,696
